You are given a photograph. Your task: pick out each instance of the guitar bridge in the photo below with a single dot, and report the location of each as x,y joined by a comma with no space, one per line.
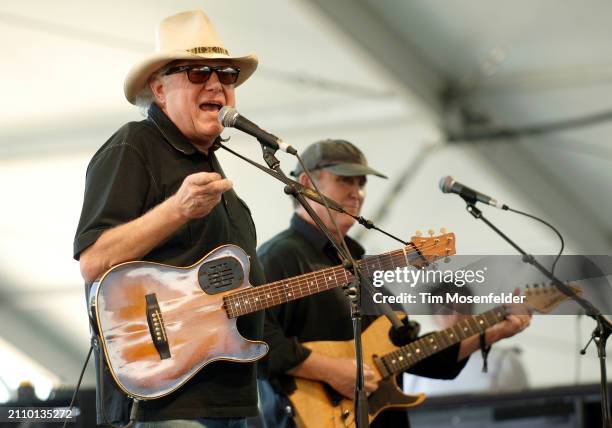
156,327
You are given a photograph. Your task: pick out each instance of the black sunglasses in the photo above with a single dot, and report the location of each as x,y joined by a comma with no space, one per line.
227,74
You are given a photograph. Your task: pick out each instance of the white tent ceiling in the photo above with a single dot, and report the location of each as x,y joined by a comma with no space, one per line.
372,72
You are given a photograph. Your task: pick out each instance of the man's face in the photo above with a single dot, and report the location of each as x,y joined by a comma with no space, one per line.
347,191
194,107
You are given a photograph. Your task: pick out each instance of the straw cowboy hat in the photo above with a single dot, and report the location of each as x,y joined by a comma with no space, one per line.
185,36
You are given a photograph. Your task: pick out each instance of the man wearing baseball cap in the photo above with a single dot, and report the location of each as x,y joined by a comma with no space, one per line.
154,191
339,169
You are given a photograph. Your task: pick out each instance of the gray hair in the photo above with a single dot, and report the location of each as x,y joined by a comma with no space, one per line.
145,97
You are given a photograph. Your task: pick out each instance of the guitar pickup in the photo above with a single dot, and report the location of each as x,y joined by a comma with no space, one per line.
156,327
381,366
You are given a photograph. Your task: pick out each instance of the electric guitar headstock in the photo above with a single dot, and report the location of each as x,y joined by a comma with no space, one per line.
433,247
543,298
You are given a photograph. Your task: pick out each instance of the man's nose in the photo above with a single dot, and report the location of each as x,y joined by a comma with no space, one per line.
356,191
213,82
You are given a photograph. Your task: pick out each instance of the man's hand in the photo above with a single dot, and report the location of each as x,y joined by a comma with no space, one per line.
339,373
512,325
199,194
342,376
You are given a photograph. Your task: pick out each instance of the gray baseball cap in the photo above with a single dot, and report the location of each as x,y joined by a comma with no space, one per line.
337,156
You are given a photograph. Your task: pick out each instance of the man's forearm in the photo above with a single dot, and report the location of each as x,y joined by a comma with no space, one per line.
130,241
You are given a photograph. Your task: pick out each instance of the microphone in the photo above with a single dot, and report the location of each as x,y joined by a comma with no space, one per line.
449,185
230,118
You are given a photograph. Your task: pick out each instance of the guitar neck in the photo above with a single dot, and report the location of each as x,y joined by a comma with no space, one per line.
408,355
257,298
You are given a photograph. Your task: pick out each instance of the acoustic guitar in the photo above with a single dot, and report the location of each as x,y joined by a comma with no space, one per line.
317,405
159,325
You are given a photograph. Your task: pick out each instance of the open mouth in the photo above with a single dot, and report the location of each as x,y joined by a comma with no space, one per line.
211,106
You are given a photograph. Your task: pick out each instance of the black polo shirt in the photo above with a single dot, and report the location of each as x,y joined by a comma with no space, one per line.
139,167
324,316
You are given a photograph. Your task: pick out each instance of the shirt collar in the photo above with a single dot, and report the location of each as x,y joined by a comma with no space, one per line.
169,130
319,240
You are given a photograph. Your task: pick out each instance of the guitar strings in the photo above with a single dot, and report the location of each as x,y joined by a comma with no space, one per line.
277,289
284,288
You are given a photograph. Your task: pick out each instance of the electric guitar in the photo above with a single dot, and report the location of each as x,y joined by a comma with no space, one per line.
159,325
317,405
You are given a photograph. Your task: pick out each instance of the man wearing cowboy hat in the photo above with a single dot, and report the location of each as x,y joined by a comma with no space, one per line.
155,191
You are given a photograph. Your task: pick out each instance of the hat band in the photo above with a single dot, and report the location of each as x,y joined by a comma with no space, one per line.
208,49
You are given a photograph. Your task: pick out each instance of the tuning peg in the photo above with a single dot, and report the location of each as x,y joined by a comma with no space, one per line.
431,232
446,259
443,231
418,233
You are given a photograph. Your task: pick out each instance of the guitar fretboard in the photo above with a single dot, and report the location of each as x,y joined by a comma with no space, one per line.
408,355
257,298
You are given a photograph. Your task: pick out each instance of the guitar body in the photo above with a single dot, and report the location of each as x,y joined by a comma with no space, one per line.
159,325
317,408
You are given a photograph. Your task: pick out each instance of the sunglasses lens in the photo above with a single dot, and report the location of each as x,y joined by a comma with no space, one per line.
199,75
228,75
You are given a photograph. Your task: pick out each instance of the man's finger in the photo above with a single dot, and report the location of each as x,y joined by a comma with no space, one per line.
214,187
371,386
203,178
220,186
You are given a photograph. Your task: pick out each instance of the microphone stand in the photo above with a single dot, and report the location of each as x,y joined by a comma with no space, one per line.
601,332
353,291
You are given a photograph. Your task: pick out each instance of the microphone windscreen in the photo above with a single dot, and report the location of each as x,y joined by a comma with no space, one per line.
227,116
446,183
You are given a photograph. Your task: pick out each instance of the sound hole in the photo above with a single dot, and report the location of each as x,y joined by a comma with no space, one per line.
217,276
